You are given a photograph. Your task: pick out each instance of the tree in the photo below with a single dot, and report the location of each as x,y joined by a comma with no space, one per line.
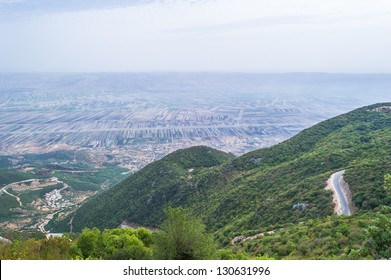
387,182
378,239
145,236
55,248
129,247
119,244
88,241
183,237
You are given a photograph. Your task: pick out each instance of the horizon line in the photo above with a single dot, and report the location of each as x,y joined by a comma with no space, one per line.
196,72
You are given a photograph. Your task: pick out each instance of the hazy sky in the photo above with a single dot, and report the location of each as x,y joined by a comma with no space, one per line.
190,35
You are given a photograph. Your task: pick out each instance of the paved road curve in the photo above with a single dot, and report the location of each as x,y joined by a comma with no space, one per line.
342,197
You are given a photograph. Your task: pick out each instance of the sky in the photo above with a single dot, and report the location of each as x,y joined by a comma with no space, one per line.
339,36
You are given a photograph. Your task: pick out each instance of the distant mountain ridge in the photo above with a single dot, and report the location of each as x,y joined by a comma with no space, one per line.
257,191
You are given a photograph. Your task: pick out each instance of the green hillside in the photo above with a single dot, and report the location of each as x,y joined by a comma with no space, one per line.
144,195
364,236
257,191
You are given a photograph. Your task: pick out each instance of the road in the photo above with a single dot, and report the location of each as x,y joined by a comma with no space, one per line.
4,240
242,238
20,182
44,221
16,197
342,198
4,189
41,225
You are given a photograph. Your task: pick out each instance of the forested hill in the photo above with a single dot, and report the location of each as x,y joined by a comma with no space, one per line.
142,197
258,190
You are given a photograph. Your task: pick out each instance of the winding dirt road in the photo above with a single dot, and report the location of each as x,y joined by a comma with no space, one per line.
14,196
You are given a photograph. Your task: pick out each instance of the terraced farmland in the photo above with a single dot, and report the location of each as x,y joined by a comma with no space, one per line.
233,112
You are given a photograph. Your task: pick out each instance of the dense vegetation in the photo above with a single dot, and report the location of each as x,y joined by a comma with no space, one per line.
90,244
9,176
183,237
257,191
91,179
143,196
366,236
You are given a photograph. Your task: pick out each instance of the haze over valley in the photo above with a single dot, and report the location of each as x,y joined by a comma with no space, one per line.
143,117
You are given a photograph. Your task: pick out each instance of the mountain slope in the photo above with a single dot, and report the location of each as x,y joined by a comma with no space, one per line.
333,237
257,191
142,197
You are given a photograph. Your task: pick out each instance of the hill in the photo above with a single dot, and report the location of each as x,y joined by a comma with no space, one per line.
142,197
257,191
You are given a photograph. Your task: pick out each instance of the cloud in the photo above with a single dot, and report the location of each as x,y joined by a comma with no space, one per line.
210,35
250,23
11,9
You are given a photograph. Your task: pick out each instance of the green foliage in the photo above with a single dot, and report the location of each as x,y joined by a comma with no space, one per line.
34,249
89,180
22,235
378,239
48,157
115,244
88,241
364,236
8,176
183,237
197,157
338,237
232,254
142,197
145,236
6,203
387,182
